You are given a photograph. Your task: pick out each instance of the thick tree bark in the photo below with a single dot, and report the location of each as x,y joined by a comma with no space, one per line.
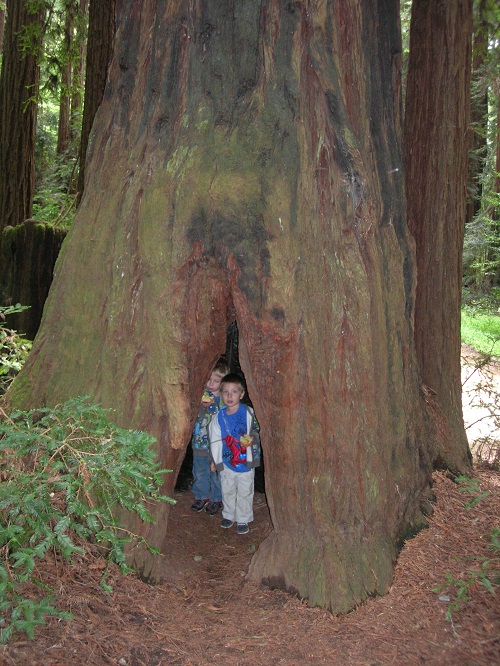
437,142
101,35
18,109
246,165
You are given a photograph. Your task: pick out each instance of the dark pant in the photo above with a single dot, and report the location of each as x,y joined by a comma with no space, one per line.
206,483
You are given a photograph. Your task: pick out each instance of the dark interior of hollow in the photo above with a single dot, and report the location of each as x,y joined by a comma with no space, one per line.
185,477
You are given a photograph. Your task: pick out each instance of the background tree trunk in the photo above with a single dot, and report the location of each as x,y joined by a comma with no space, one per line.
2,25
66,69
497,158
28,253
246,166
18,109
437,126
495,212
479,112
101,35
78,85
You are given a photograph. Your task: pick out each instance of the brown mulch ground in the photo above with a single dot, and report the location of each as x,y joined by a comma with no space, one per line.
211,617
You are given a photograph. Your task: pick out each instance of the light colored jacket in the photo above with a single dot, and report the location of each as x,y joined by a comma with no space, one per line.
215,438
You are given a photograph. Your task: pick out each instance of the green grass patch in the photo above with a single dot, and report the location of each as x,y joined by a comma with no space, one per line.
481,330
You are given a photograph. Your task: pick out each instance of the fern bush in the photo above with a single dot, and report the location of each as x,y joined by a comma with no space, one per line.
64,472
14,348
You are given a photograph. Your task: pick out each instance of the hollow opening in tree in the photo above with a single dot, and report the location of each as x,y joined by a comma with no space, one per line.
185,476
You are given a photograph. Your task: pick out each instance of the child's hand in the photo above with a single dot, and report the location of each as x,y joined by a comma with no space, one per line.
212,467
245,440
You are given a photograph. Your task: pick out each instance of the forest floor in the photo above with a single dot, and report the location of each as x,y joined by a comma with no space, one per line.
208,614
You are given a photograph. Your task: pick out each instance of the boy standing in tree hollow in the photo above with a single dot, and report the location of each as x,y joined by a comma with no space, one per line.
206,485
235,447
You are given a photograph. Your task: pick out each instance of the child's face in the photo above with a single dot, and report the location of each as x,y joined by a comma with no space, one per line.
213,383
232,395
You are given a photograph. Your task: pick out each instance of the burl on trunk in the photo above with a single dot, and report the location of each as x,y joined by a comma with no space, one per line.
245,165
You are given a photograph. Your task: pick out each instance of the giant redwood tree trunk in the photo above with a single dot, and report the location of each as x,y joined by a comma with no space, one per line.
437,133
246,165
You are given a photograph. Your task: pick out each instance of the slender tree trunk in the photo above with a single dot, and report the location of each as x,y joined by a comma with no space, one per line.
496,188
479,112
78,85
246,166
2,25
63,133
495,213
101,34
437,142
18,108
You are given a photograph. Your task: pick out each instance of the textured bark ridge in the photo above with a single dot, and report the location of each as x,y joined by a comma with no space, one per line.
246,165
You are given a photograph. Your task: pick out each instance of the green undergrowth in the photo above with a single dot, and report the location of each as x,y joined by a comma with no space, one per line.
14,348
64,472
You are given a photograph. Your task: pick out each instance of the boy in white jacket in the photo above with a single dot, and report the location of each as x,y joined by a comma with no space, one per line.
235,447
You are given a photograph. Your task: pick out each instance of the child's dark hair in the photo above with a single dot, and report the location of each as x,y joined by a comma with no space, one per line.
233,378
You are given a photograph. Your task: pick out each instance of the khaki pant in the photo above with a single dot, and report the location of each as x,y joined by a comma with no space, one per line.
237,495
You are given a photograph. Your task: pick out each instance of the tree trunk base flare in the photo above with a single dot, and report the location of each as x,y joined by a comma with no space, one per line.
333,576
262,187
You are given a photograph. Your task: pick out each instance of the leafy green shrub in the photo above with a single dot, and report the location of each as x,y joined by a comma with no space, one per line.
14,348
54,201
64,472
55,208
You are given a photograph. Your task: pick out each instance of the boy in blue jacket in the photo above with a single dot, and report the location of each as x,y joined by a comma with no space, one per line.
235,447
206,485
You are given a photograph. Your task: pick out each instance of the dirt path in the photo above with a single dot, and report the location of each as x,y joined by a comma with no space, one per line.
481,401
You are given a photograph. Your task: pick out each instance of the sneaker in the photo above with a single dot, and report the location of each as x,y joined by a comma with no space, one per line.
198,505
226,523
213,507
242,528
